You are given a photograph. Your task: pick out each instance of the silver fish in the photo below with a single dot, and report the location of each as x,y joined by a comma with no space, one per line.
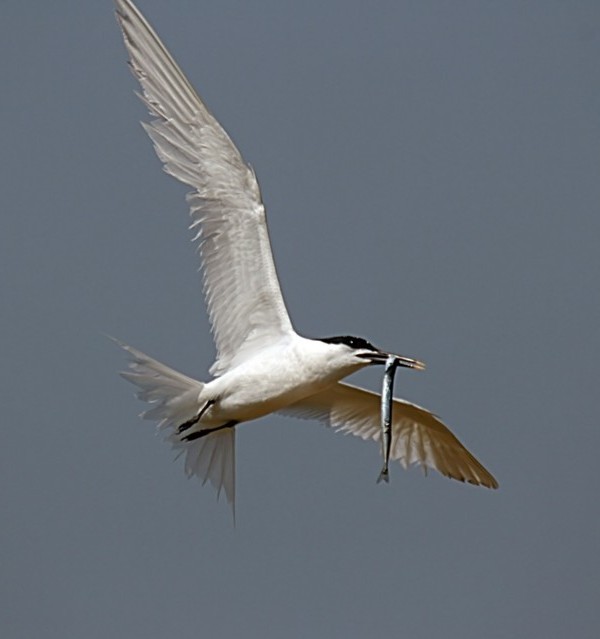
387,396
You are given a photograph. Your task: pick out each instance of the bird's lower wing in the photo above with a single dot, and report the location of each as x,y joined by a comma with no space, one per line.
419,437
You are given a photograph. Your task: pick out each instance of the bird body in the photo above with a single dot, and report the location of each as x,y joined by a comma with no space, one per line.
263,366
282,374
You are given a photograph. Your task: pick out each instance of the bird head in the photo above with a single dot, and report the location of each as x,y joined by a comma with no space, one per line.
367,354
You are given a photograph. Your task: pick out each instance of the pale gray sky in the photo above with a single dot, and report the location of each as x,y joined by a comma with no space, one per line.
431,172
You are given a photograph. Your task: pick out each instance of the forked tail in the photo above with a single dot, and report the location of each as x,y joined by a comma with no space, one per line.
175,400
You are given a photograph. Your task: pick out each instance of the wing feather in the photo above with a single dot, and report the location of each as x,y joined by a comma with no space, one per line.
244,300
419,437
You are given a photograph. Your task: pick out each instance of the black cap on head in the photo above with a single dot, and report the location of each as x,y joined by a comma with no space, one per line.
349,340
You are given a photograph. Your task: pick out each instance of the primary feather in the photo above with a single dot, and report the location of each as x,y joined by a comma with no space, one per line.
243,296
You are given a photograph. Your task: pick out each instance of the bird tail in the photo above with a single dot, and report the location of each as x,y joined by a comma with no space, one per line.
176,400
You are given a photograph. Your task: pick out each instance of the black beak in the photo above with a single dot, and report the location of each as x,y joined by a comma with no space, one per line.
380,357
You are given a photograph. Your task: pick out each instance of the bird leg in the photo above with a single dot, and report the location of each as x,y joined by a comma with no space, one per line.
190,422
207,431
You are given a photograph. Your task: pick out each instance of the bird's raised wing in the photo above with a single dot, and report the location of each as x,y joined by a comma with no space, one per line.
418,437
245,304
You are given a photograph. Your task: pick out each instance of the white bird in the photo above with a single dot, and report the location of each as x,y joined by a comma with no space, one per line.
263,366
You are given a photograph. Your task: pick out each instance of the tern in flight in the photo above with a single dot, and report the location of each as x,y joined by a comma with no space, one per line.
263,366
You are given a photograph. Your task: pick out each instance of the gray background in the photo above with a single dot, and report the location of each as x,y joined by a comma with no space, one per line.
431,174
